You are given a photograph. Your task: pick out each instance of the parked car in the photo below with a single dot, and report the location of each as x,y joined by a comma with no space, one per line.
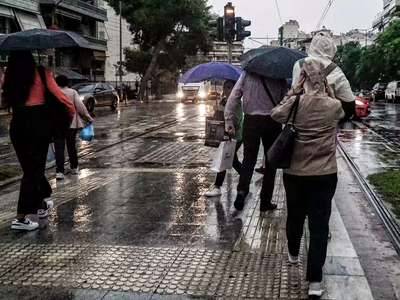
363,108
378,91
97,94
392,91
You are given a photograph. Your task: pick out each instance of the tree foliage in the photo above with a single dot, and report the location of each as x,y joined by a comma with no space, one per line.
166,30
348,58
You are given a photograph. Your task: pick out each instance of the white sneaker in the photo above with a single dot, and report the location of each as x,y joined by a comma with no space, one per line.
315,289
27,224
75,171
293,259
59,176
43,213
213,191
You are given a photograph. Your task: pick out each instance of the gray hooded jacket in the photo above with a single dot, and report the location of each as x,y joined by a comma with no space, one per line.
323,49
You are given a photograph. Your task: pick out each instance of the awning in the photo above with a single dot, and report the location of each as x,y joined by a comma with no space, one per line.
28,21
68,14
99,55
6,12
69,73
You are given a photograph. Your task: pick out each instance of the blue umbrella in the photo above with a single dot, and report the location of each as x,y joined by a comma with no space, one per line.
273,62
37,39
212,71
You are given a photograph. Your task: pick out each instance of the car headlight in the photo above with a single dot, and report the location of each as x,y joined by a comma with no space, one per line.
82,98
202,95
180,95
358,102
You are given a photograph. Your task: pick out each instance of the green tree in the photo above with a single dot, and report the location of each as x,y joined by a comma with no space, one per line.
381,61
165,26
348,58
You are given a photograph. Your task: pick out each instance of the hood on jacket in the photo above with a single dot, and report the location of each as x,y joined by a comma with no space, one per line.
322,46
315,73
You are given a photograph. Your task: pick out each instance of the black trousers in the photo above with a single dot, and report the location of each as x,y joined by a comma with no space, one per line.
30,138
70,138
237,165
309,196
256,128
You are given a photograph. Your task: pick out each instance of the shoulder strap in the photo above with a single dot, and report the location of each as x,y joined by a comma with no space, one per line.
294,107
42,74
329,69
267,90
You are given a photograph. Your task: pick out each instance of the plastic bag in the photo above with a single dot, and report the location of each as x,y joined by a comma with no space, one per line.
87,133
223,157
50,153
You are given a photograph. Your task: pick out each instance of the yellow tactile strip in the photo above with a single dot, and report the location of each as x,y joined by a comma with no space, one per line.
153,270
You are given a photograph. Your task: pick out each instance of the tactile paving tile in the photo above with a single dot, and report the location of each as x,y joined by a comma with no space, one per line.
172,153
159,270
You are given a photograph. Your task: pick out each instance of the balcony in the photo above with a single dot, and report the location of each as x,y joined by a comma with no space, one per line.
26,5
96,43
384,17
81,7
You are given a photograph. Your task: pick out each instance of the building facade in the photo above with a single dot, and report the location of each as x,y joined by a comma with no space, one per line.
383,18
17,15
85,17
220,52
111,29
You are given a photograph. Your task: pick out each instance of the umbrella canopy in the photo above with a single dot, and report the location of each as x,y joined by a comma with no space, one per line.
37,39
273,62
212,71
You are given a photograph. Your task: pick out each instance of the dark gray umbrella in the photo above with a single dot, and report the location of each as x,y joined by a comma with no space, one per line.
273,62
37,39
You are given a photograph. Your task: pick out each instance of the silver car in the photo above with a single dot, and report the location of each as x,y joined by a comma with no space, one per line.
97,94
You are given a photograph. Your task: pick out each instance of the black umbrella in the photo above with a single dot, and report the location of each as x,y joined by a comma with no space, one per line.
37,39
273,62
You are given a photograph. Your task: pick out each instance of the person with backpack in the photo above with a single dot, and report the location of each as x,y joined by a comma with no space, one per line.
260,96
24,94
310,181
323,49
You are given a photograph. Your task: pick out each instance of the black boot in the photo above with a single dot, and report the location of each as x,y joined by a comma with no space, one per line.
267,206
239,202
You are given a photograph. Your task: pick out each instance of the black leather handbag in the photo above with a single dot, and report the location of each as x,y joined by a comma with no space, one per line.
280,154
59,119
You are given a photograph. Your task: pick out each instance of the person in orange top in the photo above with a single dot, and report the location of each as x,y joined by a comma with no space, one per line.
24,96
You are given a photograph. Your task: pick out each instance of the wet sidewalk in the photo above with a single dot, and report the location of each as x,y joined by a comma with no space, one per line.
135,224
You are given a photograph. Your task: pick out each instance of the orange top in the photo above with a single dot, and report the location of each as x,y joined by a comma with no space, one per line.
36,95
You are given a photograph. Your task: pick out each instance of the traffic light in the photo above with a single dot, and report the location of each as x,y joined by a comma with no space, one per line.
229,16
241,34
280,36
219,24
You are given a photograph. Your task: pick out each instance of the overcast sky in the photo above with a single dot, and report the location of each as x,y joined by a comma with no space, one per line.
343,15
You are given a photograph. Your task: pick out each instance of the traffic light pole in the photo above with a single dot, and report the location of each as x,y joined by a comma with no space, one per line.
230,45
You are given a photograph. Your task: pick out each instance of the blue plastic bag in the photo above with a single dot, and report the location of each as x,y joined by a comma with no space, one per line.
87,134
50,154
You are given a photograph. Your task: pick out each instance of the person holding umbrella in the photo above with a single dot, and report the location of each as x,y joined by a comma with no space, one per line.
215,190
24,96
262,85
258,125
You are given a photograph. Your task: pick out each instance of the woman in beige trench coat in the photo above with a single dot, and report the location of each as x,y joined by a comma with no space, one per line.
310,182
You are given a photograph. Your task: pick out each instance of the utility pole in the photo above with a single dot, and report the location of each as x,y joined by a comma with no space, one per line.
120,51
230,45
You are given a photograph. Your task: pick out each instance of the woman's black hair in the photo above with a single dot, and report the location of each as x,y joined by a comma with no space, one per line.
62,80
18,79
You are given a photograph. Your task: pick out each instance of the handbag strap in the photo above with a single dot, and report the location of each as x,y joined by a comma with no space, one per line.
294,108
268,91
